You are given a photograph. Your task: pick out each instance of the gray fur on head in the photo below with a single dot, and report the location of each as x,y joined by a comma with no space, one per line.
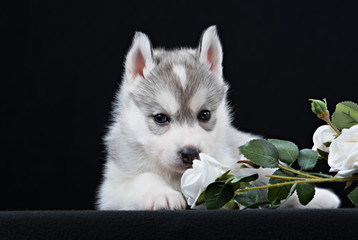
151,72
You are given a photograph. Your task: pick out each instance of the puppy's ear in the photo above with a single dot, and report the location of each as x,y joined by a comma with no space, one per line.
210,50
139,60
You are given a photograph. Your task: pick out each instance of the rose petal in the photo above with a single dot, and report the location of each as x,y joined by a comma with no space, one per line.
323,134
195,180
343,156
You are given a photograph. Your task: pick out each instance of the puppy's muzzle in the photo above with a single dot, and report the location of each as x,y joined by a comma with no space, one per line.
189,153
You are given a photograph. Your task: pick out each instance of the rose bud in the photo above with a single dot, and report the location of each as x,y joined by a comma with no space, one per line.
319,107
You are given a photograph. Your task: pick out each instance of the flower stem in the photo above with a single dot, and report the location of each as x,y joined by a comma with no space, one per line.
283,177
334,127
326,118
332,179
298,172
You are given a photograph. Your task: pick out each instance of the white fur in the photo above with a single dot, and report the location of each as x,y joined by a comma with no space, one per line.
143,169
167,101
180,71
323,199
198,100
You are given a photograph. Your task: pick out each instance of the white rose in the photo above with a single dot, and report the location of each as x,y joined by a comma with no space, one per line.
196,179
343,156
323,134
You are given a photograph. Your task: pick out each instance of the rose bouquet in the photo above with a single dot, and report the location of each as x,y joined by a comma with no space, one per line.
212,185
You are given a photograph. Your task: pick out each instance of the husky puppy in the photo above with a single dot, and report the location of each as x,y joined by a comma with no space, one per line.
170,107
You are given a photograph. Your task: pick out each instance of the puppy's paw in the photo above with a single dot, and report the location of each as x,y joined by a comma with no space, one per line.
324,199
165,198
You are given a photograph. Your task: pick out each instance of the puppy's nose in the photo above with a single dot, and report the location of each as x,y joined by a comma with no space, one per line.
189,153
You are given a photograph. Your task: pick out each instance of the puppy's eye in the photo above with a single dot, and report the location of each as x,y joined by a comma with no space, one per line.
204,116
161,119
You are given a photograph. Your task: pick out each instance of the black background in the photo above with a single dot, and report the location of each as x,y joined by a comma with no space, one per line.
61,63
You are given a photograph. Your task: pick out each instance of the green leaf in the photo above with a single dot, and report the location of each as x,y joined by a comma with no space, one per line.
346,115
201,199
262,181
260,152
217,194
307,159
225,176
249,198
275,204
245,178
322,153
279,193
242,180
292,190
262,204
327,144
232,205
278,203
305,192
287,151
242,166
353,196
